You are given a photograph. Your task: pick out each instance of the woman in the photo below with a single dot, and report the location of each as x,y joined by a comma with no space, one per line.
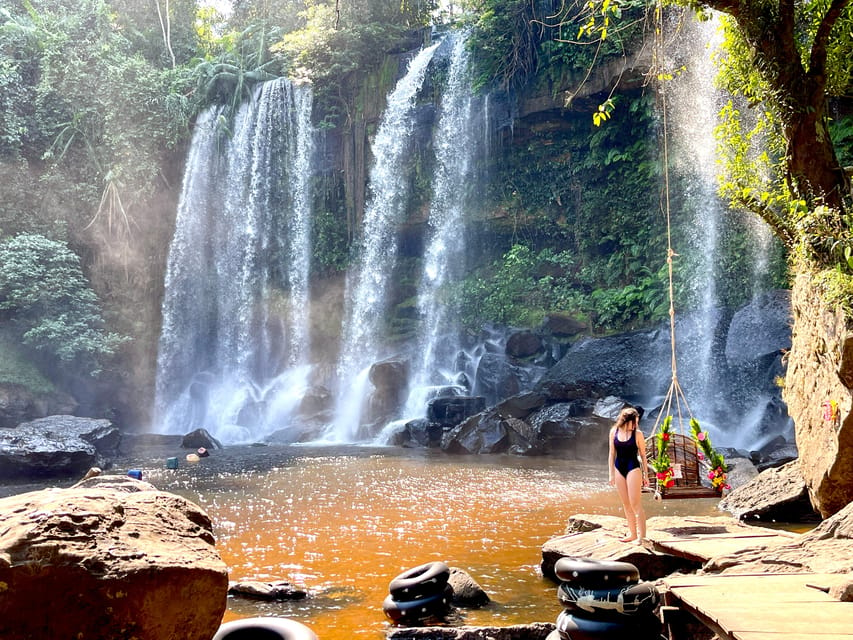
629,472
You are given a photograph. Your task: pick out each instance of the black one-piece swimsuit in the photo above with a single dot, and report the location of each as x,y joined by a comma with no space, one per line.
626,453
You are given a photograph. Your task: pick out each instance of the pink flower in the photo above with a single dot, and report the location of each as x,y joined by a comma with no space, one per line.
711,475
701,436
700,455
727,487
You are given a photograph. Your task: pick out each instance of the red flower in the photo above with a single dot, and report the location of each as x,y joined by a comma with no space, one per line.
664,436
669,483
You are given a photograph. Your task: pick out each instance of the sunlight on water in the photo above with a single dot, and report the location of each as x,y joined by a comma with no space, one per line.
342,526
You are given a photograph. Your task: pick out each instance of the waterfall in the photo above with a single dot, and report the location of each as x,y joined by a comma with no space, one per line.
694,104
368,281
712,388
455,144
234,344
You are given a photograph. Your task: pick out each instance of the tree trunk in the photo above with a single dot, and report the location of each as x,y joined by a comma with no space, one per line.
814,173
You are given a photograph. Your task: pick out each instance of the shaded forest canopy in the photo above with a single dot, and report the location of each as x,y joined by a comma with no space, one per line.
98,97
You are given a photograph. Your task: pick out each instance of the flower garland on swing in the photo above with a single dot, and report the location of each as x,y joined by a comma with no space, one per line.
718,469
661,463
664,472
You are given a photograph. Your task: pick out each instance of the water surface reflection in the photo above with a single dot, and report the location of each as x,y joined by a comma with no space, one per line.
343,522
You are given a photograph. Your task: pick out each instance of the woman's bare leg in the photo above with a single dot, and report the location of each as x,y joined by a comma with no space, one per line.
634,490
630,516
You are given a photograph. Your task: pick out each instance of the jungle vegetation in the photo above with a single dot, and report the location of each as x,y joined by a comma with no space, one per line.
98,97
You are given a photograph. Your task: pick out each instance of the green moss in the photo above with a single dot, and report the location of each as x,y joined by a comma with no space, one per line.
15,368
837,288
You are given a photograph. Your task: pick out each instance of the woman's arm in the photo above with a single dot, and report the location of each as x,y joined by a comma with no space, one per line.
644,464
611,457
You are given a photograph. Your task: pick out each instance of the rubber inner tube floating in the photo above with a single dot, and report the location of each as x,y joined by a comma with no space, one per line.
596,574
424,580
577,627
613,603
420,609
265,628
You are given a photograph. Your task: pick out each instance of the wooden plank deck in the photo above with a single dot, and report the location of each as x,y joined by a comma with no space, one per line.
784,606
791,606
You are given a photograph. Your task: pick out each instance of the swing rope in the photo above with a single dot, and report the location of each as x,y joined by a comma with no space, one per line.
675,393
675,404
682,462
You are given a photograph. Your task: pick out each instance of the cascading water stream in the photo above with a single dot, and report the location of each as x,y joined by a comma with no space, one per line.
694,104
455,145
368,282
703,370
235,340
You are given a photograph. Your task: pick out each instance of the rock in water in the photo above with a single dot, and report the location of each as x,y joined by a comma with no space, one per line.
102,562
57,446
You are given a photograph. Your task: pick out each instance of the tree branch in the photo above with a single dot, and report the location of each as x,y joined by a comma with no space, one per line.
166,29
731,7
817,59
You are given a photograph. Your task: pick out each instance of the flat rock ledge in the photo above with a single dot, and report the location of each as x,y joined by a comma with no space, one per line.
533,631
597,536
828,548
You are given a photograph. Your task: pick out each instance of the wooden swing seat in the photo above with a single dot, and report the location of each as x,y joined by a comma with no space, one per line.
682,450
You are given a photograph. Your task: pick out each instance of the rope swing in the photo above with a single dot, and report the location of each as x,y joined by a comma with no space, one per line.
675,457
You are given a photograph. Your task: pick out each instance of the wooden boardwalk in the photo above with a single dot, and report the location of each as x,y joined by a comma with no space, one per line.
785,606
766,606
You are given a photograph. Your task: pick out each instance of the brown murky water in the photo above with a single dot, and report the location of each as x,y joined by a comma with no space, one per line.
342,523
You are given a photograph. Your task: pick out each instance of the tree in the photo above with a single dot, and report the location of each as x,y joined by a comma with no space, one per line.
48,302
792,58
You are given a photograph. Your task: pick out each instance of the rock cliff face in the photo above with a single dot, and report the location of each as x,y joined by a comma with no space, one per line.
818,393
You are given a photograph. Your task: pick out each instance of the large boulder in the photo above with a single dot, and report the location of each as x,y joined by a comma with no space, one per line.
490,432
818,394
761,328
57,446
777,494
102,561
448,411
634,365
566,427
521,405
390,379
563,325
199,438
497,378
524,344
